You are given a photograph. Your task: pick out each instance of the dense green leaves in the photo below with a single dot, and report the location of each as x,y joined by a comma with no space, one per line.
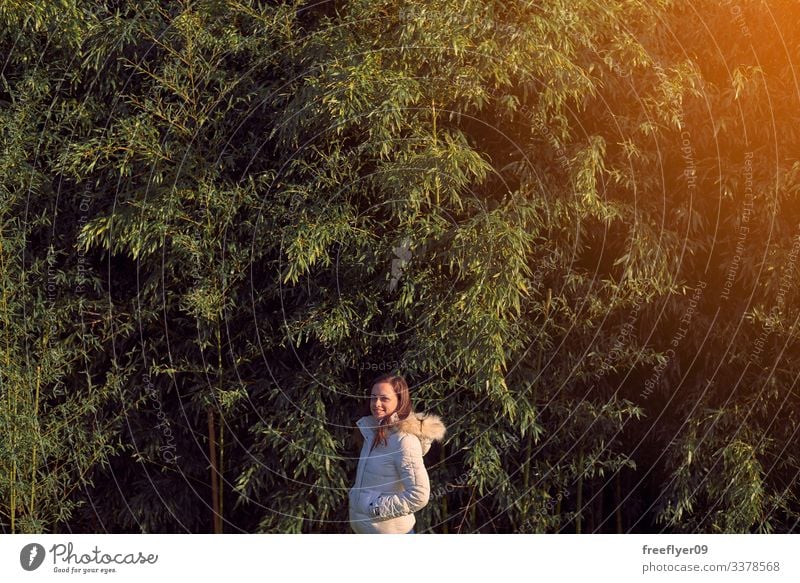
572,225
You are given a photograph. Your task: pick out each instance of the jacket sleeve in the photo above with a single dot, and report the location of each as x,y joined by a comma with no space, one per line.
411,470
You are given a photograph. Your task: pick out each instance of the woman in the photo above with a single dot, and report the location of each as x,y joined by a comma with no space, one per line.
391,480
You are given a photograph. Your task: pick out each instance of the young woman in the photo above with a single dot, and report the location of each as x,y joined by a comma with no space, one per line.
391,480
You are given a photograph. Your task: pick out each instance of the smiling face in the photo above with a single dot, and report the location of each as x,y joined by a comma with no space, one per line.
383,400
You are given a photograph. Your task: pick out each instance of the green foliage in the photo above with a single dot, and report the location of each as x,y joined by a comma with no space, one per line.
217,215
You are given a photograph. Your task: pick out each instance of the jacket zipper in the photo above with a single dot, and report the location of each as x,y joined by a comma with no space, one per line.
363,463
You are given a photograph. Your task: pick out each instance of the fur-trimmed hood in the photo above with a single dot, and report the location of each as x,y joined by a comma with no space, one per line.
426,426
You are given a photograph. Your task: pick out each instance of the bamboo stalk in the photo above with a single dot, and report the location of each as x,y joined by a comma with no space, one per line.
527,467
558,512
445,522
13,509
474,513
618,503
529,437
466,510
11,400
599,510
36,416
220,489
15,416
5,311
212,451
219,474
579,495
436,176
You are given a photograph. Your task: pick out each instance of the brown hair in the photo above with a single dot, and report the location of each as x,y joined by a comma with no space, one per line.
403,405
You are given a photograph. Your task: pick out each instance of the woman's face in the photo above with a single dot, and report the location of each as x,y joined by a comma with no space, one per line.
383,401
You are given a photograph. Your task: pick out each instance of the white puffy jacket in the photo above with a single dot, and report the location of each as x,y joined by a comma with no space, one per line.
391,481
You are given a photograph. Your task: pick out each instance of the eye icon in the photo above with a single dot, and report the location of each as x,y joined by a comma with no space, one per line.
31,556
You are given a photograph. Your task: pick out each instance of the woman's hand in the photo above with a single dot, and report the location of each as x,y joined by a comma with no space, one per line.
377,507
